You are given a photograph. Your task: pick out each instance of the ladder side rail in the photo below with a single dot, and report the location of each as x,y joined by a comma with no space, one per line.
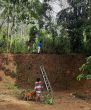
47,79
45,83
44,79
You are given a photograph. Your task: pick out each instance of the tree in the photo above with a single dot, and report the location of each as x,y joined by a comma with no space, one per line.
76,17
40,18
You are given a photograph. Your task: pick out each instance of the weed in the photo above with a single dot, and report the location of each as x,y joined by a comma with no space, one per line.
48,99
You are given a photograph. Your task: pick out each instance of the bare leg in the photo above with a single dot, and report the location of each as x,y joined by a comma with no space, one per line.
37,98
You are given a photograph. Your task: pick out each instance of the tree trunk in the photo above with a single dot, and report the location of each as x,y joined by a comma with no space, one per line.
8,30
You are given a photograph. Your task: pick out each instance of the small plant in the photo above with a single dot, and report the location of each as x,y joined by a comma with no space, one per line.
48,99
13,73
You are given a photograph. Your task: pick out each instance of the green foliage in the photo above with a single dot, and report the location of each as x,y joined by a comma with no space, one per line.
3,44
85,70
85,67
19,47
62,45
76,19
48,99
13,73
83,76
52,43
33,18
15,45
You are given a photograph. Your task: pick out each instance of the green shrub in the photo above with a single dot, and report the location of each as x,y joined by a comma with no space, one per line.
13,73
85,70
48,99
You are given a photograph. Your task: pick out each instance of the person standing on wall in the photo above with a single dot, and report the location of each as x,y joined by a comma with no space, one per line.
39,46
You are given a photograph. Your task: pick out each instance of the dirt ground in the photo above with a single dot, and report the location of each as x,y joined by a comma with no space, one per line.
63,101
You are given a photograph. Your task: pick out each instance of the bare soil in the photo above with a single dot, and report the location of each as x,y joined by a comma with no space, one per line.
63,101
